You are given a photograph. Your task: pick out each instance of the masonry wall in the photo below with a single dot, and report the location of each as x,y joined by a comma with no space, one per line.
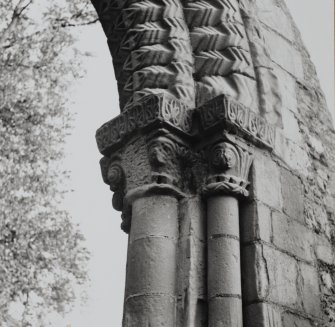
179,173
288,224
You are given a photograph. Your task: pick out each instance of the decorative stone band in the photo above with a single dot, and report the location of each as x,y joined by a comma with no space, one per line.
224,109
155,108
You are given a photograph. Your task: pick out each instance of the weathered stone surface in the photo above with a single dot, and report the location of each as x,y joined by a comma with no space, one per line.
222,217
266,181
150,310
148,220
224,260
256,222
327,287
292,237
291,128
287,85
324,250
293,195
225,312
152,261
151,266
192,212
291,320
309,290
271,14
262,314
192,263
292,154
269,275
316,218
283,54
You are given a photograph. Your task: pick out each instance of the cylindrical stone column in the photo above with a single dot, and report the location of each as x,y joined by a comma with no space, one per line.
224,273
229,166
150,296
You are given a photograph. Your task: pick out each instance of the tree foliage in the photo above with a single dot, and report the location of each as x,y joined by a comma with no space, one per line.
42,256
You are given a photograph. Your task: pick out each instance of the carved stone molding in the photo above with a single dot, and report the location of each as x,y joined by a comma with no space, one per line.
229,167
151,110
230,113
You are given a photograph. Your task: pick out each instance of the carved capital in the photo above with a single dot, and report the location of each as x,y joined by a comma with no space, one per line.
156,163
229,166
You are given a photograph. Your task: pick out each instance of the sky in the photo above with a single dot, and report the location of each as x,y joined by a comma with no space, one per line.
95,101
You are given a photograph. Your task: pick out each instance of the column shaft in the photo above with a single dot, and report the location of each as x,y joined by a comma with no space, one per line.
224,272
150,296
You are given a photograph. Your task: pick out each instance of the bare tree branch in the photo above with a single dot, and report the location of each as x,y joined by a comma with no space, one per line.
68,24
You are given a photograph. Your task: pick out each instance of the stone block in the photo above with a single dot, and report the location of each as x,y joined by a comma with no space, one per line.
324,251
292,237
154,216
224,259
292,154
284,54
272,15
266,181
316,218
255,279
262,315
287,90
291,128
293,195
225,312
151,266
269,275
310,290
256,222
291,320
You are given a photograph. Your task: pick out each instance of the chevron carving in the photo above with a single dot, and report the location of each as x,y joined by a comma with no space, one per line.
191,50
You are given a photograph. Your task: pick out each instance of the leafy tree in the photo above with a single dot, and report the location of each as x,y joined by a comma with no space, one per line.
42,256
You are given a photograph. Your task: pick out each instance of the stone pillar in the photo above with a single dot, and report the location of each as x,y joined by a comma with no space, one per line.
150,298
224,274
228,178
144,167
